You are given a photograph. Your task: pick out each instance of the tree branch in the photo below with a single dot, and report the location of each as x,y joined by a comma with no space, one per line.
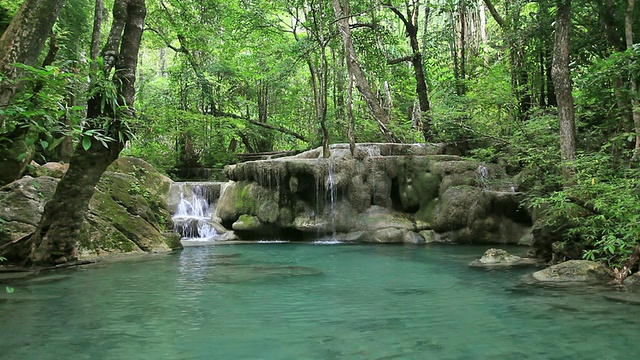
494,13
372,26
264,125
395,10
400,60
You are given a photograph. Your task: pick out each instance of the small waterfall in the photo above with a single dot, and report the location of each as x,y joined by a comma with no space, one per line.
192,218
483,176
373,151
330,186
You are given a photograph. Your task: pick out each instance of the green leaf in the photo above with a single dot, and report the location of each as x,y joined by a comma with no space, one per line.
44,144
9,289
86,143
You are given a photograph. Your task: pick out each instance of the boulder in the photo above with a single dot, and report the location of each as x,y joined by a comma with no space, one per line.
127,213
247,223
633,279
468,214
52,169
574,271
21,206
501,258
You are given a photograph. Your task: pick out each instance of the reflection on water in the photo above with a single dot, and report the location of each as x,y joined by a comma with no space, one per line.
302,301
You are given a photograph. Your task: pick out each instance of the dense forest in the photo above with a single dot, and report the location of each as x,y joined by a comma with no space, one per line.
548,89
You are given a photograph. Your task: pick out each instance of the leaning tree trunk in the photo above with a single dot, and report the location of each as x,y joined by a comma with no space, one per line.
562,83
55,238
381,116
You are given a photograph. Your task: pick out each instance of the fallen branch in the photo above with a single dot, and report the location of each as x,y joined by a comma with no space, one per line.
65,265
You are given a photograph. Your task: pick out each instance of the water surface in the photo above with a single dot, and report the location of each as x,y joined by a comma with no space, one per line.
303,301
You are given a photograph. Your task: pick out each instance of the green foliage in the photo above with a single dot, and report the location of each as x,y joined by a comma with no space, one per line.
137,189
42,110
601,207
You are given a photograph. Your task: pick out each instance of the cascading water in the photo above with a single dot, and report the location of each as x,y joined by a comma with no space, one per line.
483,176
192,218
331,190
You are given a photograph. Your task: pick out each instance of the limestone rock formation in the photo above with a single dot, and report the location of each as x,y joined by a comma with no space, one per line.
383,193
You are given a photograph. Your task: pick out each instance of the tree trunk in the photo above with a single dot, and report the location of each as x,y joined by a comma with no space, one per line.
494,13
462,48
562,83
55,238
483,32
95,35
353,67
351,133
635,104
411,27
23,40
319,72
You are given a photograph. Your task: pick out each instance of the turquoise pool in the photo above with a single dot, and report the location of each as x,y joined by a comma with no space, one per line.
305,301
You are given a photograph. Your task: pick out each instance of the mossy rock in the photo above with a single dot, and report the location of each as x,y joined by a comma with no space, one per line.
125,215
377,217
574,271
248,198
247,223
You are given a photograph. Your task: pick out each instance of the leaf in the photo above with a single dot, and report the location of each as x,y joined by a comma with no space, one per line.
9,289
44,144
86,143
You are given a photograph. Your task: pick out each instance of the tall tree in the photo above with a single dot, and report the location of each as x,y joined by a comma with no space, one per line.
313,22
515,41
635,103
54,240
410,21
342,13
562,82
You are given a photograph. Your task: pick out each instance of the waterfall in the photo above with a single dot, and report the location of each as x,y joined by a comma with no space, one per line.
331,189
192,219
483,176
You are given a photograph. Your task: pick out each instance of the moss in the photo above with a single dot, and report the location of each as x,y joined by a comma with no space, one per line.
427,211
244,199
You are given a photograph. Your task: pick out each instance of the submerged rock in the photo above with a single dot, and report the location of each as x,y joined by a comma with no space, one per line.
574,271
498,258
629,297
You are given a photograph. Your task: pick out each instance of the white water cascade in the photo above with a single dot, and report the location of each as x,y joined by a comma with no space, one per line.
192,218
332,195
